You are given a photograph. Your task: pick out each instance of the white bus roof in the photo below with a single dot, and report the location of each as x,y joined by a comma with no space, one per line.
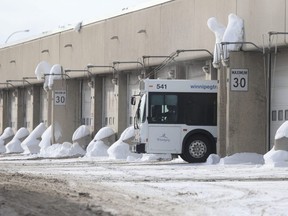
161,85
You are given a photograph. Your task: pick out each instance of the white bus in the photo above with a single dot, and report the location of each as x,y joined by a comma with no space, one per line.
177,117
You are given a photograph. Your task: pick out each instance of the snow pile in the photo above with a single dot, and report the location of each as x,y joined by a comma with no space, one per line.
218,29
282,131
97,147
278,155
153,157
104,133
43,68
243,158
80,132
276,158
14,146
213,159
31,144
57,150
65,149
233,33
120,149
5,138
82,136
55,74
46,137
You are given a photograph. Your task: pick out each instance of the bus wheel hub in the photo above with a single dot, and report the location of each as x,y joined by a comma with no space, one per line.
197,149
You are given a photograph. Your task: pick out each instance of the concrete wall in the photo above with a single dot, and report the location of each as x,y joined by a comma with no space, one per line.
183,24
66,115
246,117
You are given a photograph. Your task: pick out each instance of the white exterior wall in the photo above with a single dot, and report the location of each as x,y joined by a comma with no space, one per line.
279,92
86,103
110,103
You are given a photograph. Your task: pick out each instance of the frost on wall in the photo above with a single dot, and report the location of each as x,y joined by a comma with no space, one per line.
234,32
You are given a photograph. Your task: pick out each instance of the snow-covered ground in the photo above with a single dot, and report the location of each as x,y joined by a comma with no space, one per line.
242,186
134,184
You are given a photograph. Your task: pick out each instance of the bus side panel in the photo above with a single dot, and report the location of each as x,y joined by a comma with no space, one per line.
164,139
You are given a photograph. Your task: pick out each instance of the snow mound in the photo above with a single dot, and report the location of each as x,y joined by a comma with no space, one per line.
120,149
243,158
156,157
99,145
128,134
97,149
233,33
5,138
42,68
31,144
55,74
46,137
14,146
62,150
81,132
276,158
213,159
282,131
218,29
103,133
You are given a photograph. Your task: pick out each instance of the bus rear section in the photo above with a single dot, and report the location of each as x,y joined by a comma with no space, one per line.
177,117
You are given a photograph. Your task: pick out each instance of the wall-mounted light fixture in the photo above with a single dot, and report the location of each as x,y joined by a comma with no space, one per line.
171,74
13,61
142,31
78,71
114,81
68,45
206,69
9,83
114,37
45,51
30,89
98,66
91,84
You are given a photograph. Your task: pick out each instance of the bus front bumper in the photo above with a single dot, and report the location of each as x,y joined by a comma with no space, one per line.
139,148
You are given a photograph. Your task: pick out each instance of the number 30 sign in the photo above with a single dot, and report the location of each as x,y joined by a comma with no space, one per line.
59,97
239,80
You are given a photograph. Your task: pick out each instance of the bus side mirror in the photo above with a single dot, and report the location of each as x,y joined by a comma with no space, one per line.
133,100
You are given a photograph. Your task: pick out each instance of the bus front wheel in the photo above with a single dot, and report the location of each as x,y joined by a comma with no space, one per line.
196,149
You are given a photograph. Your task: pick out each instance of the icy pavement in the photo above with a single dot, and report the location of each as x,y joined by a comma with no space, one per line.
165,187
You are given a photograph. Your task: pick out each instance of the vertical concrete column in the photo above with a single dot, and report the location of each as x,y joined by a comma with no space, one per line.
66,102
246,103
122,103
221,111
96,105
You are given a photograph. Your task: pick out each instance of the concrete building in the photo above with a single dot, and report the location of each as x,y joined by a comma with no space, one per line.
99,96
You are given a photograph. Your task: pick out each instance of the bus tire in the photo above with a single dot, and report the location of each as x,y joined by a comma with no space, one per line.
196,149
